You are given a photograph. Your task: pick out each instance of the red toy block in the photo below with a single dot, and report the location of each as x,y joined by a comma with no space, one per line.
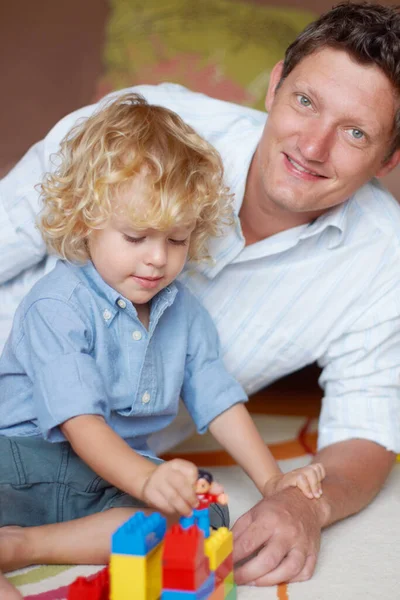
185,565
95,587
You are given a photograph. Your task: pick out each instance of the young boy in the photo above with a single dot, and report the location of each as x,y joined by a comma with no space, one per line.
103,347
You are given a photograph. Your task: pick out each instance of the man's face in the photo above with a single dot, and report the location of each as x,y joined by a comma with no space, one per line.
328,132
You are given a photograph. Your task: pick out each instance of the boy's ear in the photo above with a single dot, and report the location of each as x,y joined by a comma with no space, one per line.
388,166
274,79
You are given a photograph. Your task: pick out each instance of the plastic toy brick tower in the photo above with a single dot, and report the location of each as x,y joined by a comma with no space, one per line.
148,563
136,558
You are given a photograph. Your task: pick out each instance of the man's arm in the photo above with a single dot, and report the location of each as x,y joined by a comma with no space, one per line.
287,526
357,470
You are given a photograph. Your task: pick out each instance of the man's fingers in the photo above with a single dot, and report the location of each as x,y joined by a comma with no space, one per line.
241,525
251,539
267,559
307,571
287,570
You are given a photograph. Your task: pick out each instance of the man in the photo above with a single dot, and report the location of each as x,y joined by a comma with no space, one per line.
309,270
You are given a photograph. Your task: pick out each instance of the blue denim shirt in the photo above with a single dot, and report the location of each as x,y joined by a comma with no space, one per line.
77,347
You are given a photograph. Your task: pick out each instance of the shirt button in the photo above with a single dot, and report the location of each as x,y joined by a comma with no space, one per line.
145,398
106,314
121,303
137,336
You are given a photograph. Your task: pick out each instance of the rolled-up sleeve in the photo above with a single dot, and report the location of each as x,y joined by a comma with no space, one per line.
361,375
66,380
208,389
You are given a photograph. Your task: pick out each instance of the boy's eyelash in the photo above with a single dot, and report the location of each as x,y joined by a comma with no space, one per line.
133,240
179,242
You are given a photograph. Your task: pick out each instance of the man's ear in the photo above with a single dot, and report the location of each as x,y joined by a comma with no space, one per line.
389,165
274,79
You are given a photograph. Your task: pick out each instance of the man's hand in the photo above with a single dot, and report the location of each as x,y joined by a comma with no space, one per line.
286,528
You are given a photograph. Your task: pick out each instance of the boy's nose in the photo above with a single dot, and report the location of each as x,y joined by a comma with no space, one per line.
157,255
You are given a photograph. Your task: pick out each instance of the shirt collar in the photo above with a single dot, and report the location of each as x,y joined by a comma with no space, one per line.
335,219
113,301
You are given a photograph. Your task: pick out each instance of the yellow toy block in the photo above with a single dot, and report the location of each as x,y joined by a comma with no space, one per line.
218,546
138,577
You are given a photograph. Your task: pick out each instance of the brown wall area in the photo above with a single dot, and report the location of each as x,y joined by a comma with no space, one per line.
51,57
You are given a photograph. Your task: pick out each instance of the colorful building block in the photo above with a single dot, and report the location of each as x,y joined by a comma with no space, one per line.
224,569
141,574
218,593
201,593
95,587
185,565
218,547
232,594
139,535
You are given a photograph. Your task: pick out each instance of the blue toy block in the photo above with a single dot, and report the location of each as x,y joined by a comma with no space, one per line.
186,522
139,535
201,594
202,520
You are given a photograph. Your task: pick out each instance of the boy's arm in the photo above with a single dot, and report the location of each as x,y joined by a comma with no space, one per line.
169,486
235,430
108,454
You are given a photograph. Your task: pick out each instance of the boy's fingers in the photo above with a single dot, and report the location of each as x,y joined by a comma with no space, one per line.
321,471
303,484
188,469
313,479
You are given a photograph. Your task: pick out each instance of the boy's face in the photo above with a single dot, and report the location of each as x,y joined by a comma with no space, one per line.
138,264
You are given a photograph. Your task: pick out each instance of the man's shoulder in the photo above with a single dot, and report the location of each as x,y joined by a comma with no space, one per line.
378,209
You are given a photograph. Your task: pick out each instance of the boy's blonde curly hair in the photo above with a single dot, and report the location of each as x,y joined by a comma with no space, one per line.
101,155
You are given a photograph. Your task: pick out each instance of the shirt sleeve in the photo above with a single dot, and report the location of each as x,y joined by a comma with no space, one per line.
208,389
361,373
55,350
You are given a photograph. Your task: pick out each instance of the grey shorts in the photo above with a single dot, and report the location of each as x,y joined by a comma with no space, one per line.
43,483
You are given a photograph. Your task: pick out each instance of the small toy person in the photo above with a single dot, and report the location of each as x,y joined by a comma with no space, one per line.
209,491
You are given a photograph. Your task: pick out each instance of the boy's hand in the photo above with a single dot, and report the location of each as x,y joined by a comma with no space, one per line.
307,479
171,487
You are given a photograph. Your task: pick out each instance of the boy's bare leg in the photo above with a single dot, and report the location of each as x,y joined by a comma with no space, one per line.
7,591
82,541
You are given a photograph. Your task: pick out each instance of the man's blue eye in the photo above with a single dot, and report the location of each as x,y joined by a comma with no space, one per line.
357,134
304,101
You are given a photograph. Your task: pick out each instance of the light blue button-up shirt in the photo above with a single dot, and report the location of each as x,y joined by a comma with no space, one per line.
78,347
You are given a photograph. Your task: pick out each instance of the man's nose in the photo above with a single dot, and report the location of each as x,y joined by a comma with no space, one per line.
315,142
